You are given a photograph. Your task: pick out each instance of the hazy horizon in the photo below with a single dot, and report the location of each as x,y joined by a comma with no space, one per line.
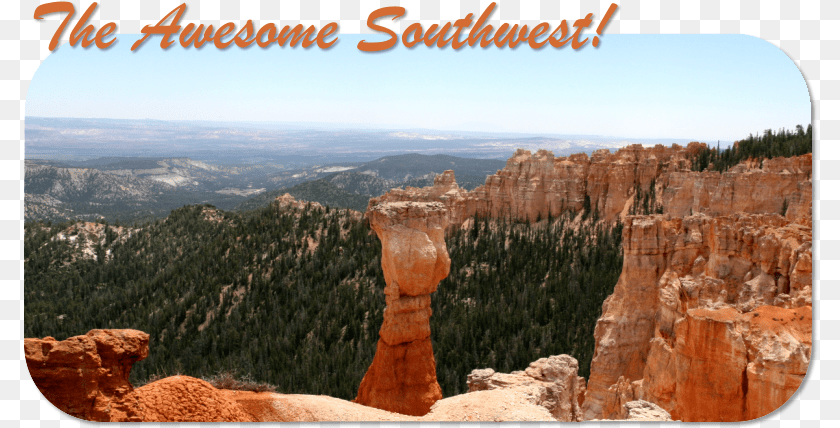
346,126
706,87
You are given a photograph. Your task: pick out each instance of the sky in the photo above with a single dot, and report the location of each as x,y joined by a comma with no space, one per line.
703,87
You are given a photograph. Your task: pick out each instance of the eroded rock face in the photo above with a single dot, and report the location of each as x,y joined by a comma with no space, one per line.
402,377
779,350
87,376
687,320
772,186
534,186
550,382
744,257
711,358
618,395
746,365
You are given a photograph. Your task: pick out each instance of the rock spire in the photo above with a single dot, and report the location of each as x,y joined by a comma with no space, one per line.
402,377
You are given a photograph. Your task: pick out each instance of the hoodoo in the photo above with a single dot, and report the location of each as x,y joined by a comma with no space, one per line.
402,377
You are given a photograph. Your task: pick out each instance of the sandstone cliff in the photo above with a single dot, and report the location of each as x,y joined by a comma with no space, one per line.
738,240
710,318
534,186
402,377
771,186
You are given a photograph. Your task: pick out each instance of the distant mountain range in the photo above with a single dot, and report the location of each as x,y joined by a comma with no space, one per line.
349,189
290,145
63,193
154,166
182,172
396,169
351,185
129,189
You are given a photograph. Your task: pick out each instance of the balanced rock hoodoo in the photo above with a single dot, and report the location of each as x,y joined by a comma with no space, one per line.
402,377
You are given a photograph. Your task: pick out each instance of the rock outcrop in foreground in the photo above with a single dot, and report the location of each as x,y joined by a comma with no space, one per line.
187,399
552,383
87,376
402,377
710,318
641,410
548,390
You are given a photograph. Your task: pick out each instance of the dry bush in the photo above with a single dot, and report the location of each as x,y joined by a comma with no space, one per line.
230,380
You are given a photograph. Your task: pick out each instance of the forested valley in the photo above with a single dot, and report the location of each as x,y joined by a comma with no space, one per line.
294,296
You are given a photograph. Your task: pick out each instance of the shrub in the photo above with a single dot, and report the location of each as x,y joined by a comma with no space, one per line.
230,380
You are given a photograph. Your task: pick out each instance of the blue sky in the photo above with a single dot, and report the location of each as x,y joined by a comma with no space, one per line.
706,87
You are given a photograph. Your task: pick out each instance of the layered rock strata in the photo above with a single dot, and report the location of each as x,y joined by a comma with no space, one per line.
87,376
402,377
688,326
770,186
552,383
534,186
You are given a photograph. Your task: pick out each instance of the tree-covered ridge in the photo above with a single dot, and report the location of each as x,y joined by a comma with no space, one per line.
294,297
349,189
782,143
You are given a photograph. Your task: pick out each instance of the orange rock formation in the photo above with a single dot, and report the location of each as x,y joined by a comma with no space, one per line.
687,323
748,187
187,399
532,186
402,377
87,376
672,264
